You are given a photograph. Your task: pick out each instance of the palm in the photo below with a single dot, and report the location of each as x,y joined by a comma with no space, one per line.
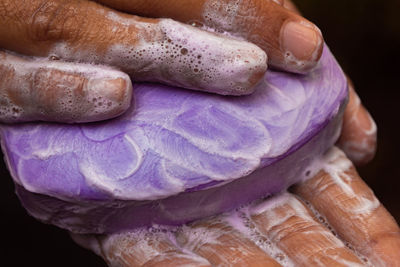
331,219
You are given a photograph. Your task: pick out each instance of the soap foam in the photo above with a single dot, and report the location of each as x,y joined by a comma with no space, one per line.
222,14
143,244
178,54
240,220
322,219
363,147
336,165
43,89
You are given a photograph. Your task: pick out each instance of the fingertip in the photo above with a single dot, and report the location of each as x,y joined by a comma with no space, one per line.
79,93
359,143
203,60
301,45
38,89
359,131
110,97
247,73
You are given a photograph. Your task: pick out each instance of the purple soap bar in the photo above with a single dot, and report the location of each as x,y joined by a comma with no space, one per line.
180,155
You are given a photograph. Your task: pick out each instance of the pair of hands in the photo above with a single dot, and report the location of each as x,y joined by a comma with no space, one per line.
60,84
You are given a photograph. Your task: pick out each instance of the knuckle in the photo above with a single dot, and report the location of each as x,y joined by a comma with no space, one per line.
51,84
253,15
57,94
7,73
53,21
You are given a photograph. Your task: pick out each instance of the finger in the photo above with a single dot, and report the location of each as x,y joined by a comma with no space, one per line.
351,208
37,89
139,248
291,42
291,226
148,49
359,132
222,245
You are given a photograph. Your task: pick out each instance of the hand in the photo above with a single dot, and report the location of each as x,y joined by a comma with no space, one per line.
158,50
372,232
51,89
359,131
331,219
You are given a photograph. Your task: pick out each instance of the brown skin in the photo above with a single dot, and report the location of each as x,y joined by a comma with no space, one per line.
356,140
33,29
374,234
353,236
56,90
300,237
258,21
158,251
377,234
224,244
86,32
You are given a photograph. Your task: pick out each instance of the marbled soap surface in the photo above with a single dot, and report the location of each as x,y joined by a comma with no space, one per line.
174,140
177,141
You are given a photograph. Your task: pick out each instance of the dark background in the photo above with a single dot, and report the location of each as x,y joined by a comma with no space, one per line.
365,37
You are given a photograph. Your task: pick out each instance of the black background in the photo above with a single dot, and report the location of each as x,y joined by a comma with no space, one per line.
365,37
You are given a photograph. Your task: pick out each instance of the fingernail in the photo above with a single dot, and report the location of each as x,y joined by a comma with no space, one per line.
300,41
111,89
110,97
